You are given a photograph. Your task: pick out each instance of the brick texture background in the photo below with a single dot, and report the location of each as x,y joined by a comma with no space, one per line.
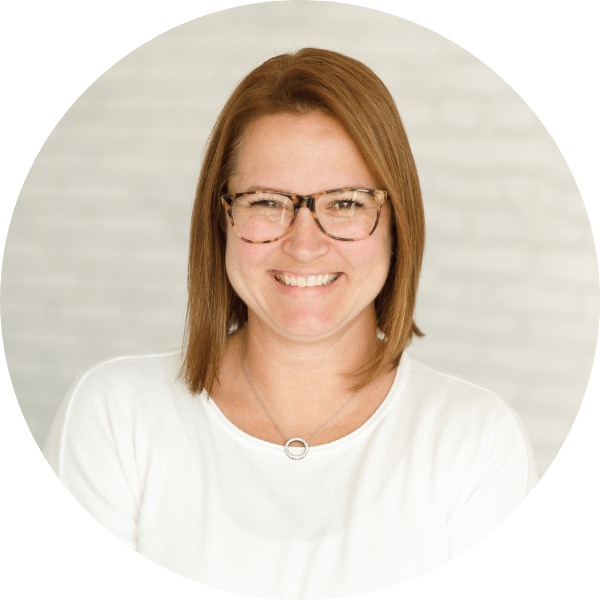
95,261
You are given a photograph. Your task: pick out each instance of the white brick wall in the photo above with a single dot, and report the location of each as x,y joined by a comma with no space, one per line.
96,255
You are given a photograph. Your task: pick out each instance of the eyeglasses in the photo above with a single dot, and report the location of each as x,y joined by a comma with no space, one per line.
264,216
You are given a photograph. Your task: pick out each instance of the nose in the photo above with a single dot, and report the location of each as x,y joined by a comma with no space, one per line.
305,241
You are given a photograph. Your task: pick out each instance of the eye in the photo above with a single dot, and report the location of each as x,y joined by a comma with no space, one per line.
267,203
346,205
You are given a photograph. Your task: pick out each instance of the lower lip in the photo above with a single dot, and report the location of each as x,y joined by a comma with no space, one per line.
294,290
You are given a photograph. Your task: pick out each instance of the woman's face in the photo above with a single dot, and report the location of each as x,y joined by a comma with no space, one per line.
305,154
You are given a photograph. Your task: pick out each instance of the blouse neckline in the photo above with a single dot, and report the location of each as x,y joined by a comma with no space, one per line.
322,449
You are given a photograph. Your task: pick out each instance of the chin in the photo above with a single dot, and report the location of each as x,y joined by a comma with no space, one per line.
306,325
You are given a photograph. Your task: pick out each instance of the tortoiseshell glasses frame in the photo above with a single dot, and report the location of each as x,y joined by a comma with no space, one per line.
300,201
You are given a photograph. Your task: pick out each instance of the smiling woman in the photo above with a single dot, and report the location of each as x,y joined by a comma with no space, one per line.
305,250
283,120
301,153
324,327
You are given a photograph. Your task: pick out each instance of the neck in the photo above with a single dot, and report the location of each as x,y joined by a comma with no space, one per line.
301,380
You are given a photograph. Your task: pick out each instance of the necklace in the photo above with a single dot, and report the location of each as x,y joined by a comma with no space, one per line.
288,441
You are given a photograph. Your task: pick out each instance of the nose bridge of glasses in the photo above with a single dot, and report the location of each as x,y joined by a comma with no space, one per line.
305,201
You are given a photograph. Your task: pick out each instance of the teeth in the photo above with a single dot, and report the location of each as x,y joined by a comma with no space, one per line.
310,281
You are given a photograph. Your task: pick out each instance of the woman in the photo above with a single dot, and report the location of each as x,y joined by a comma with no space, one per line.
295,450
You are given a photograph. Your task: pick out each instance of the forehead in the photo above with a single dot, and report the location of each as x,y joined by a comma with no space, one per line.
301,154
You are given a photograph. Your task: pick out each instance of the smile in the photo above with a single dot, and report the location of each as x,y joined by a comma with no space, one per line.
311,281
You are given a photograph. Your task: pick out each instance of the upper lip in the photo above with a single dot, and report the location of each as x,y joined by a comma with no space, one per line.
304,274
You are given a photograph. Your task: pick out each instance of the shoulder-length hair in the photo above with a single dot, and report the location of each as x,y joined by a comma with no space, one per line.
298,83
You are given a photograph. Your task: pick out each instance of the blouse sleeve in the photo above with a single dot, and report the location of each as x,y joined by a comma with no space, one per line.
502,473
91,448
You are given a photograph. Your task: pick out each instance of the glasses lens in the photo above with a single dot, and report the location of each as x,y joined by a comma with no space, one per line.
260,217
349,214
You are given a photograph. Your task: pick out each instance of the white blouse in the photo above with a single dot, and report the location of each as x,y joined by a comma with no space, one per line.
438,466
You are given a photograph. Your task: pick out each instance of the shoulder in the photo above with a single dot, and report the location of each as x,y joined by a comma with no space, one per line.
466,424
108,406
460,413
456,398
129,384
124,398
139,367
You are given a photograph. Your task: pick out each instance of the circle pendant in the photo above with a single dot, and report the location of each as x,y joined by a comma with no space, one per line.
296,456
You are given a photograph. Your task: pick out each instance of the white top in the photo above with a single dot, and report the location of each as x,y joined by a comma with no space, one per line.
439,465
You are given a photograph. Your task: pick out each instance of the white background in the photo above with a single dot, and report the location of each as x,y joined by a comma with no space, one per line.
95,260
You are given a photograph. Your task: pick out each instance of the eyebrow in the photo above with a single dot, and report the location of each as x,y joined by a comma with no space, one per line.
255,188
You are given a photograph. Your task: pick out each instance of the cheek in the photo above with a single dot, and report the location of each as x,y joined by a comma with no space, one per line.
376,265
233,260
372,254
242,260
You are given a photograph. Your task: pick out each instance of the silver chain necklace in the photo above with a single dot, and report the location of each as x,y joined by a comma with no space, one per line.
288,441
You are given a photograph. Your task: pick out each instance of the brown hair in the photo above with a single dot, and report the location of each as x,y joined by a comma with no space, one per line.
345,89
